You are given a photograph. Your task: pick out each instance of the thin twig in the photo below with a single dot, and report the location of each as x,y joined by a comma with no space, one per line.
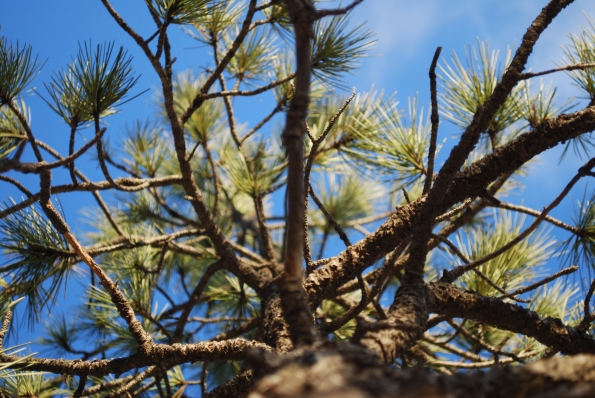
233,48
369,219
369,295
265,238
238,331
17,184
73,127
361,229
337,11
247,93
435,121
254,129
483,276
455,211
195,297
215,176
529,75
330,218
535,213
134,381
81,388
107,386
307,170
482,343
454,349
477,365
36,167
405,195
566,271
167,385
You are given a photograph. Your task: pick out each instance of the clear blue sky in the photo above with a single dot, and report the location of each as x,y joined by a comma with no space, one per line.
408,33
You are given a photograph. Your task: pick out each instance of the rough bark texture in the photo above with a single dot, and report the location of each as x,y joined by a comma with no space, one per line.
274,326
452,302
343,371
238,387
405,324
293,297
295,360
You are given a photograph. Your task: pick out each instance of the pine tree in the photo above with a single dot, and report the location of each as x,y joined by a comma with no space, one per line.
207,267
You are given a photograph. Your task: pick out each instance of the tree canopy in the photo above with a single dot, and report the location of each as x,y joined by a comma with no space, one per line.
332,243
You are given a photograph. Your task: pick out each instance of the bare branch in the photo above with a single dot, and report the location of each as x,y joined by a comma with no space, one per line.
452,302
529,75
337,11
533,286
435,121
227,350
535,213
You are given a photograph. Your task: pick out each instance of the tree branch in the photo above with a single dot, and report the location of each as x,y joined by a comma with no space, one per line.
435,122
468,183
293,298
456,303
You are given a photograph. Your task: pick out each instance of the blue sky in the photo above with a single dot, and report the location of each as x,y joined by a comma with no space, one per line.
408,33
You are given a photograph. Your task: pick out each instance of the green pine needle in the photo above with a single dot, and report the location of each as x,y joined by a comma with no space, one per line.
104,80
580,247
582,50
337,48
181,12
38,258
11,130
18,68
467,86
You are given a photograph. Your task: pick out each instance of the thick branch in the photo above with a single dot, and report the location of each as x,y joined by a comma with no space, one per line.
469,183
483,115
293,298
345,372
456,303
228,350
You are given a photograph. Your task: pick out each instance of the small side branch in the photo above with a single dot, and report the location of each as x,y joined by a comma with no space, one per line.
566,271
307,170
483,276
254,129
535,213
195,297
330,218
337,11
435,121
247,93
81,388
529,75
